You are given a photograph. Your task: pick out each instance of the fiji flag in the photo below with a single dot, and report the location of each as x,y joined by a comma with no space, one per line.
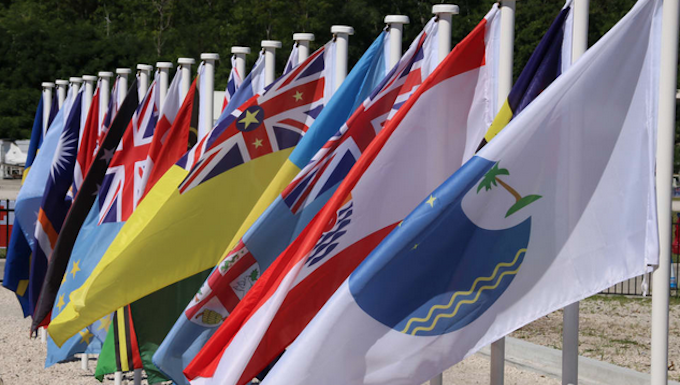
187,221
17,265
195,326
522,229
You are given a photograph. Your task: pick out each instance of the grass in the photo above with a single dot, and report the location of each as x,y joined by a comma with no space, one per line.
3,253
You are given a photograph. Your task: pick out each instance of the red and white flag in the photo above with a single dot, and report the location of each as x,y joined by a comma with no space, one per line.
431,136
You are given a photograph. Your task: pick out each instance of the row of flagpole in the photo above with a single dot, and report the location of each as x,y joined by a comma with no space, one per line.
666,123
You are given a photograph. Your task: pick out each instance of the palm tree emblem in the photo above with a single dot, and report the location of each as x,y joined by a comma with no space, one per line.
491,179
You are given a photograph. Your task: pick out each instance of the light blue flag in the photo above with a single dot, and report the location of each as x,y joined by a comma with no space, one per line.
187,337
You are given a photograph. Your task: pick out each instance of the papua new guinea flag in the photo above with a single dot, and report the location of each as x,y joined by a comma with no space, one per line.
524,228
436,130
186,222
201,318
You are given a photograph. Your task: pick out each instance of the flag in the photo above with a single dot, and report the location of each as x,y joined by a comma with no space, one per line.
55,203
189,334
17,262
90,339
88,143
125,345
517,233
431,135
551,57
57,268
187,220
233,83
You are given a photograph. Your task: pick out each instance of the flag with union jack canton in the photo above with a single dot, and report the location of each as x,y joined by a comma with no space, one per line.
206,208
238,271
233,84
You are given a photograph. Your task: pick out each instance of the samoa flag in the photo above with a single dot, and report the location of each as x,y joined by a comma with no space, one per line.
524,228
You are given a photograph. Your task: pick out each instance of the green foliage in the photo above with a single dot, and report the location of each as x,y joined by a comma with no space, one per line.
43,40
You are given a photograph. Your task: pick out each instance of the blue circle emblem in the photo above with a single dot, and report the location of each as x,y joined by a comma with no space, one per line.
250,119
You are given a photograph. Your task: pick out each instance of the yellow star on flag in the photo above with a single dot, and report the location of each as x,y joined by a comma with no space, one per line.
104,323
257,143
251,117
431,200
415,246
61,302
75,268
85,336
298,96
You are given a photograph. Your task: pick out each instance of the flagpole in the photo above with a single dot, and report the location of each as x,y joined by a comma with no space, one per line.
507,39
269,47
341,35
664,175
89,81
122,84
207,90
185,64
444,13
104,93
47,103
75,82
303,40
240,55
163,81
570,316
396,25
144,73
61,91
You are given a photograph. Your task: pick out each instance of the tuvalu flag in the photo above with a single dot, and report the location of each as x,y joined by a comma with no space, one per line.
521,230
186,221
81,206
197,324
436,130
17,262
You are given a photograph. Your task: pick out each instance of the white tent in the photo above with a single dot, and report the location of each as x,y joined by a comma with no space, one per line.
12,159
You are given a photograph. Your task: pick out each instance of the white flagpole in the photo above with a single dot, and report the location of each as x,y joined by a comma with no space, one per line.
144,74
396,25
444,14
104,94
90,81
75,82
570,317
270,47
303,40
163,81
341,34
122,84
240,54
207,92
664,175
185,64
47,103
507,40
61,91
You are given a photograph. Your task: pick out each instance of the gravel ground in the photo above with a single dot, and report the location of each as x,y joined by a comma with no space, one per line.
22,359
612,329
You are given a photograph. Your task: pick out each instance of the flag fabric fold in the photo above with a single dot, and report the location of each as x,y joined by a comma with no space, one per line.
431,135
186,221
187,336
503,240
17,262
